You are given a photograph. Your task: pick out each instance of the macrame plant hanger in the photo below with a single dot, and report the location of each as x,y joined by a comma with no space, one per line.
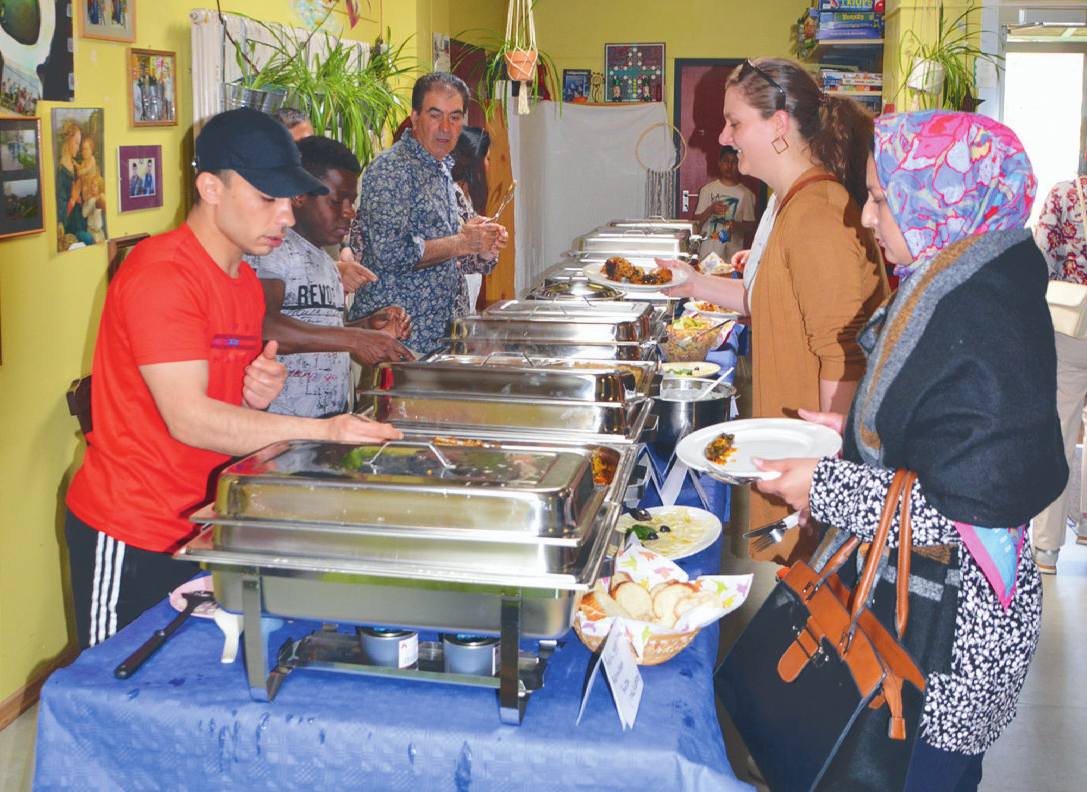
521,54
660,185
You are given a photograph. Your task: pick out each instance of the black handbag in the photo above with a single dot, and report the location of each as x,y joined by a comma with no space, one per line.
822,693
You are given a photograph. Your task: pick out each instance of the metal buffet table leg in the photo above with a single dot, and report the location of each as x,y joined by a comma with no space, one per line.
264,678
511,698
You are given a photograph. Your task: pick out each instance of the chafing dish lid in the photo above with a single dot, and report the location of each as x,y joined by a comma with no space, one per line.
517,487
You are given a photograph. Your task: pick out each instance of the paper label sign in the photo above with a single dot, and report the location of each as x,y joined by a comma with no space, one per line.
624,678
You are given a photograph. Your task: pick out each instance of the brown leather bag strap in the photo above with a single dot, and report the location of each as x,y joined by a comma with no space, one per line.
879,544
800,185
905,542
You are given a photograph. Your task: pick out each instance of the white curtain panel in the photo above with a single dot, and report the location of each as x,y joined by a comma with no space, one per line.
577,171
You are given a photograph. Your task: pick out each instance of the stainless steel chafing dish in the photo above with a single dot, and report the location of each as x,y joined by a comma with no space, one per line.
606,327
645,314
644,371
491,538
584,403
654,224
620,241
573,288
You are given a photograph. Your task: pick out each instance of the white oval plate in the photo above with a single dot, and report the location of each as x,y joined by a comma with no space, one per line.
693,530
594,273
692,307
699,368
767,438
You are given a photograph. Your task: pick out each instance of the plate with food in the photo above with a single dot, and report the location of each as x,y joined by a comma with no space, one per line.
725,450
636,276
695,368
674,531
710,310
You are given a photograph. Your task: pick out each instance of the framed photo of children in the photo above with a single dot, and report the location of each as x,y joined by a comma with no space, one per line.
140,177
21,177
152,97
113,20
80,185
634,72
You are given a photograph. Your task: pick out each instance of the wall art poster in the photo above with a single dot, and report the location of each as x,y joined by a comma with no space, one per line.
21,210
113,20
634,72
80,183
35,54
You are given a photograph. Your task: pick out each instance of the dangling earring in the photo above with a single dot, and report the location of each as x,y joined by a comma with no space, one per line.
783,147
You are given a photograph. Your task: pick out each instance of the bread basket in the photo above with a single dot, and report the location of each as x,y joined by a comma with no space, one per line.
657,649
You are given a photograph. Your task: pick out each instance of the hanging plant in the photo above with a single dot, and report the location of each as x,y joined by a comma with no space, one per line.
514,57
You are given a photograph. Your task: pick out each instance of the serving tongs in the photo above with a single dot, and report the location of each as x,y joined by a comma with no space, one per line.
506,198
685,342
193,599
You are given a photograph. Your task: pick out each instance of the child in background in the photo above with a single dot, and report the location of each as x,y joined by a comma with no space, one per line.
725,209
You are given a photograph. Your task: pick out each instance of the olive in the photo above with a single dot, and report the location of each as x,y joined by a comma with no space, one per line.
665,529
652,535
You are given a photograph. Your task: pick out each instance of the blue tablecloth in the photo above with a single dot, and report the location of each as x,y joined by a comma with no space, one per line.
185,721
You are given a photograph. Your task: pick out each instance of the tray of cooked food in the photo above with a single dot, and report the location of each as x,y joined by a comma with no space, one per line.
587,403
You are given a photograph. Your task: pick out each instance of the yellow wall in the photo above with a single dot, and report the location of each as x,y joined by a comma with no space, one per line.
49,307
50,302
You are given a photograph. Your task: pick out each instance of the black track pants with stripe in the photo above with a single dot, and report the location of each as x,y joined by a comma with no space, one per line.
113,583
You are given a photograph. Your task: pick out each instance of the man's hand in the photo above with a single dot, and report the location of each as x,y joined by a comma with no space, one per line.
392,320
374,346
264,379
352,274
353,428
480,235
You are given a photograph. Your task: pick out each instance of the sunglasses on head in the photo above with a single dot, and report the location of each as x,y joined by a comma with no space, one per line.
749,67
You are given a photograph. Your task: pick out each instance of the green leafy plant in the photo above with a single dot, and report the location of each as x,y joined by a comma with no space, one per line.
346,100
952,54
493,69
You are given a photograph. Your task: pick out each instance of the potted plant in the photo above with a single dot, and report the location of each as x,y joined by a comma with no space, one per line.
941,72
509,59
349,101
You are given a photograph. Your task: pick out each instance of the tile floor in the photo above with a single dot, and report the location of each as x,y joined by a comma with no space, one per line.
1040,752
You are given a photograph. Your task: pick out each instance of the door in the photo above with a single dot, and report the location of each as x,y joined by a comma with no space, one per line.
697,111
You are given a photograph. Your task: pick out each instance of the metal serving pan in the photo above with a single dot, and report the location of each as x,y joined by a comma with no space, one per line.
573,417
635,241
422,488
644,371
654,224
435,376
533,309
550,348
598,327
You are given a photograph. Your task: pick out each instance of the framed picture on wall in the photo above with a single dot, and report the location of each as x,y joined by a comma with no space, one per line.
80,183
576,85
21,177
634,72
139,177
152,94
116,251
112,20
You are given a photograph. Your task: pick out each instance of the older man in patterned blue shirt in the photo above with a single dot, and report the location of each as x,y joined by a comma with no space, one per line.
412,235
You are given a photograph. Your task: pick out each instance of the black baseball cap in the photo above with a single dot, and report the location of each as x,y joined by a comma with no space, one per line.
259,149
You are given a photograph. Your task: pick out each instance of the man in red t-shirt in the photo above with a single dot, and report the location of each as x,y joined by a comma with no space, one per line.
180,383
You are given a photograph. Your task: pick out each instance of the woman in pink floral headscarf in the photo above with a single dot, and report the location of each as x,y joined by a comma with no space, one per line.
960,389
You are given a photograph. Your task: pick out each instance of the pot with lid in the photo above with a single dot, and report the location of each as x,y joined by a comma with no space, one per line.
686,404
